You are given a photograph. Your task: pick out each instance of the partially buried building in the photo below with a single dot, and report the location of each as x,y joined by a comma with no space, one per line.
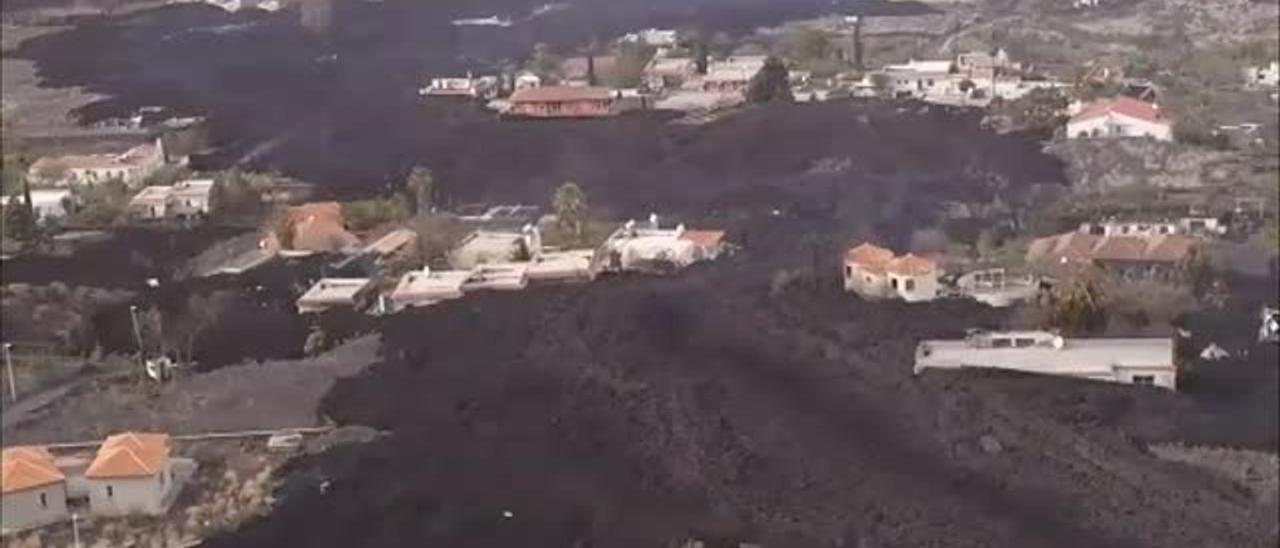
1143,361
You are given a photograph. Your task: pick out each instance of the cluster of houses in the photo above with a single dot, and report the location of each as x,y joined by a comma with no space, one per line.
1130,249
970,78
505,261
56,182
131,473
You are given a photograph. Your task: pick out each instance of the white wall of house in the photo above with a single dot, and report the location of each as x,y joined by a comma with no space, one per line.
865,283
121,496
1162,377
1117,125
33,507
915,288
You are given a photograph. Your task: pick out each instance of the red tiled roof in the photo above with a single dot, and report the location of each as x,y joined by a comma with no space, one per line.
319,226
1124,106
130,454
1170,248
1079,247
704,238
27,467
868,255
1121,248
911,265
555,94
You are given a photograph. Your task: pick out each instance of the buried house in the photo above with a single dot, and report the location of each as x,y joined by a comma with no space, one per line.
34,489
655,249
1148,361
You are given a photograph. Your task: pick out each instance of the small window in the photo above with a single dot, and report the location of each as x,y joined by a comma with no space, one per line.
110,492
848,271
1001,343
910,284
44,500
867,278
893,283
1144,380
1024,342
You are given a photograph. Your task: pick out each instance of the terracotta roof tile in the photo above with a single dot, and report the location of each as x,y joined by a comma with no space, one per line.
1125,106
1170,248
911,265
130,454
704,238
868,255
1122,248
26,468
547,94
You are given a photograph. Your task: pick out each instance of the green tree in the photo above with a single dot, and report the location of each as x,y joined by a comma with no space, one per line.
421,185
1076,307
771,83
810,44
104,204
282,226
543,62
1040,111
882,83
570,204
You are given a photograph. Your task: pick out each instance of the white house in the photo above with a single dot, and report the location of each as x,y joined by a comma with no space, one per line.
482,87
1263,76
1133,361
330,293
732,74
33,491
875,273
132,474
864,270
663,38
526,80
920,78
131,166
46,203
427,287
651,248
183,199
1120,117
151,202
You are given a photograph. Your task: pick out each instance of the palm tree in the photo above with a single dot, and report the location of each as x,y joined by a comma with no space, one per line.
422,185
570,204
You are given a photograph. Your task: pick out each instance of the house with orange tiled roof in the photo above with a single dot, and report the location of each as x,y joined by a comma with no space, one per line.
132,473
33,491
1120,117
875,272
913,278
1137,255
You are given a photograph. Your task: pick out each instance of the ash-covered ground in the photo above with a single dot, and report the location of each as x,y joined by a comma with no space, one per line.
743,400
342,108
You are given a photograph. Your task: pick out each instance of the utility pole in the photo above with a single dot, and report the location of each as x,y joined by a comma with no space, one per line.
137,336
8,366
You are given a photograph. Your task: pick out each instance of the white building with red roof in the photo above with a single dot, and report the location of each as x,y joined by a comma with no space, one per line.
132,473
1120,117
34,489
875,272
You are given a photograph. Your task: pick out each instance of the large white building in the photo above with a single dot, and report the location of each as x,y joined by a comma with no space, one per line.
1147,361
1120,117
131,166
46,203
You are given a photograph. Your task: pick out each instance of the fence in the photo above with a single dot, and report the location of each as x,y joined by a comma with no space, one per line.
33,367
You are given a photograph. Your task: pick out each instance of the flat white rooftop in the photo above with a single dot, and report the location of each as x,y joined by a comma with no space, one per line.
420,287
1038,352
329,292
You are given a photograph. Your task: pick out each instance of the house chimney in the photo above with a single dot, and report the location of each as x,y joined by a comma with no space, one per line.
653,221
